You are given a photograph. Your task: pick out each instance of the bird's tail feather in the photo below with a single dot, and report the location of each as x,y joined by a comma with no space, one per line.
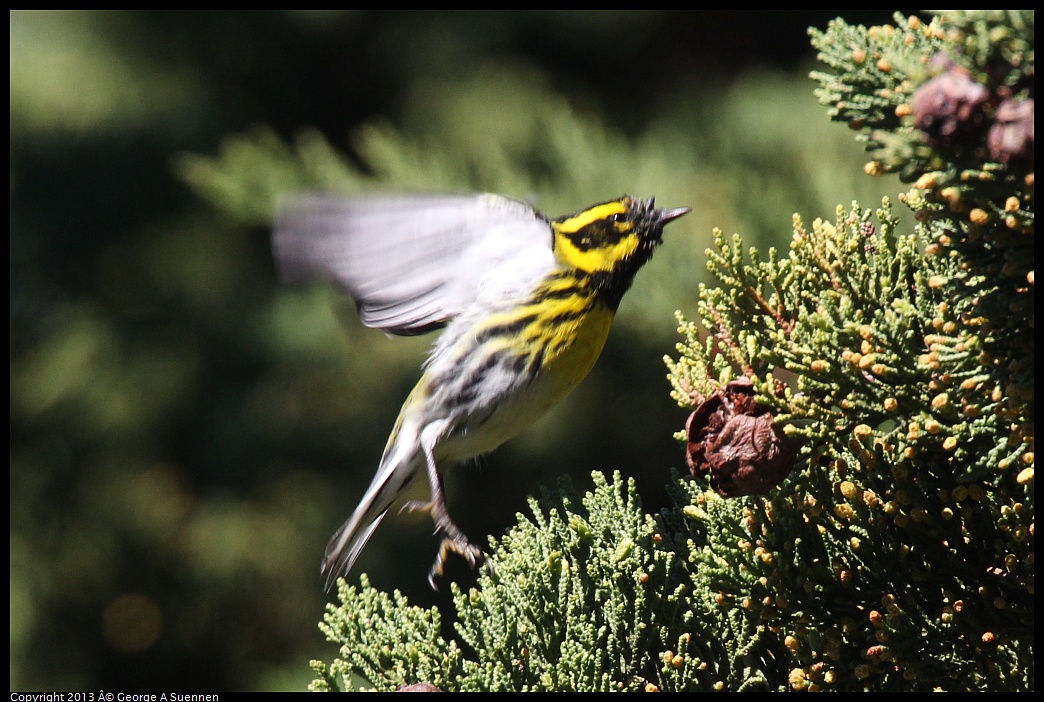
346,545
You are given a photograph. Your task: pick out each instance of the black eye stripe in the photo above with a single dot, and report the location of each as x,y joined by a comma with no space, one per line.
597,234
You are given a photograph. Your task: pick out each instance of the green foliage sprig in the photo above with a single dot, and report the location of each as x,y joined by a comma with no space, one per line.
949,106
568,603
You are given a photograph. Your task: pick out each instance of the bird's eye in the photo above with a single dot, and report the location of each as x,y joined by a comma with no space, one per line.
614,217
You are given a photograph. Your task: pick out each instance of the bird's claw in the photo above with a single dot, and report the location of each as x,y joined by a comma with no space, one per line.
453,539
460,545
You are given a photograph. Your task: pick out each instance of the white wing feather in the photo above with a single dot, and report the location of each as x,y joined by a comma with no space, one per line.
411,262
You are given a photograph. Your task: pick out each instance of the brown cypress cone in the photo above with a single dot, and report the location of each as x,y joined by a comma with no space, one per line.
733,439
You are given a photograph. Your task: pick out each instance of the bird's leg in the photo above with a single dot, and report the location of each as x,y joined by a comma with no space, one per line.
453,539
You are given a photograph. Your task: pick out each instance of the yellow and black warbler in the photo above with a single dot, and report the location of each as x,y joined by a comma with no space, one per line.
526,303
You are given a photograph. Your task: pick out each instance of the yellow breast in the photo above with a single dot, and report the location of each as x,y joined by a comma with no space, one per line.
570,352
575,348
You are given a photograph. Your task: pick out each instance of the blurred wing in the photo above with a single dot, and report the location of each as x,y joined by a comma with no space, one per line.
412,262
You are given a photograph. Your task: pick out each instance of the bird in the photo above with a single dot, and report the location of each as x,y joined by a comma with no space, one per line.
524,302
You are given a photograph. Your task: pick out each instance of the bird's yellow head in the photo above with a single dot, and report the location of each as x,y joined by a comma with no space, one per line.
610,241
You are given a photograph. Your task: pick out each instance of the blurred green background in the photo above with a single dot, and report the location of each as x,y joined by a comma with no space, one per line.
186,434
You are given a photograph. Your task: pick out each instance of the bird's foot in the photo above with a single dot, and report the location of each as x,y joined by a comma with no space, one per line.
453,539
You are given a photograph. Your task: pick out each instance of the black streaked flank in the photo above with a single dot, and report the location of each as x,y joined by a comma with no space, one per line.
569,315
467,394
578,286
512,328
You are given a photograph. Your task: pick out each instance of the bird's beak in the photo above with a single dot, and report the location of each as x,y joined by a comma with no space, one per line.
665,216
